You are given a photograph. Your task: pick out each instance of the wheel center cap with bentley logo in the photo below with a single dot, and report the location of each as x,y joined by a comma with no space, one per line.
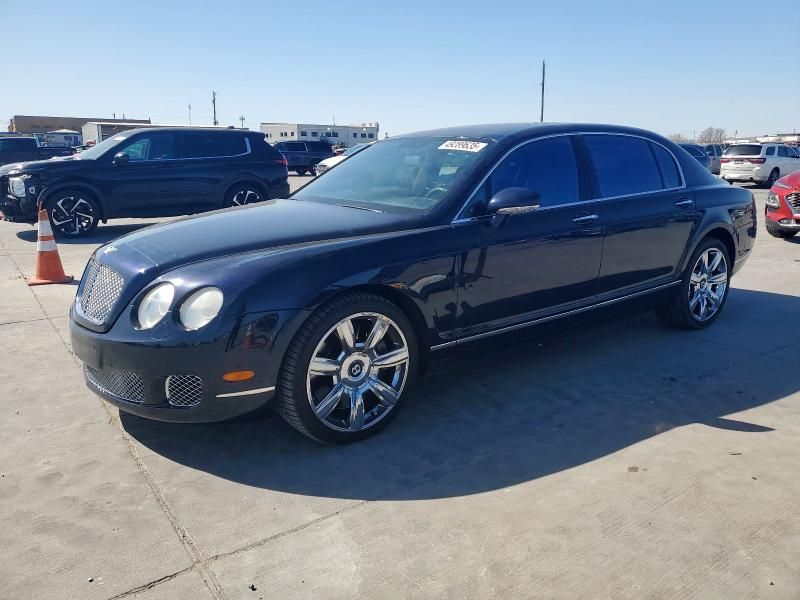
355,367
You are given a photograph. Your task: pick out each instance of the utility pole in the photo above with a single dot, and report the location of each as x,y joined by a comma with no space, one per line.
214,104
541,112
242,120
190,112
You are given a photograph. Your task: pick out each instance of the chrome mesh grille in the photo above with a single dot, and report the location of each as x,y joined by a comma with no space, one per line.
101,289
125,385
793,200
184,390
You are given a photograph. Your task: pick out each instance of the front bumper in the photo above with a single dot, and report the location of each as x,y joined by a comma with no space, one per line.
14,208
156,374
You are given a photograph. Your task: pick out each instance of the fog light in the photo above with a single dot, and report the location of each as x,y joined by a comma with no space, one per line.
239,375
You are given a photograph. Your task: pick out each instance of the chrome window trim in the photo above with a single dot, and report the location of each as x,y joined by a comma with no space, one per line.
163,160
546,319
461,219
247,392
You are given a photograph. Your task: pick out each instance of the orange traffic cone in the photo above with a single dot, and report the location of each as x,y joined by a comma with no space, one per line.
48,262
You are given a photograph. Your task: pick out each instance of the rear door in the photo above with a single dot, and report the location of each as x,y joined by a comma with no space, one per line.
211,159
297,154
645,208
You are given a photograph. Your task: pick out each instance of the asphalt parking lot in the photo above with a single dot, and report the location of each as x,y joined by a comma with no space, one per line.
620,459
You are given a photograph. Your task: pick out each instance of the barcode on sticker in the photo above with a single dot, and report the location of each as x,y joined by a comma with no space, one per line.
463,145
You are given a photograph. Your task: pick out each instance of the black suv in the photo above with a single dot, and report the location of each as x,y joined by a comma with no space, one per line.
153,172
304,156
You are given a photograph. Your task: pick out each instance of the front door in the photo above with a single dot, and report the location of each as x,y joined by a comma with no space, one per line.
151,183
536,264
647,214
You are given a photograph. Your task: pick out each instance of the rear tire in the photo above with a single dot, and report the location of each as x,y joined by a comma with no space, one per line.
777,232
73,213
301,171
345,395
703,291
774,175
242,194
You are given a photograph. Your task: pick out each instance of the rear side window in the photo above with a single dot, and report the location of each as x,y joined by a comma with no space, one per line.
745,150
694,151
319,147
666,164
11,145
770,151
711,150
212,144
623,165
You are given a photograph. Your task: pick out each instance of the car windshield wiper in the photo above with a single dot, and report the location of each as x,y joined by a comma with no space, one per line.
360,208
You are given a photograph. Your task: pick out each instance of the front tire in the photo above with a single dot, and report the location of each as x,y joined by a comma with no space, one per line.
73,213
777,232
348,370
703,290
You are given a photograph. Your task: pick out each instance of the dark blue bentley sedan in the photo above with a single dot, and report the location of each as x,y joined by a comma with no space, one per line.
327,303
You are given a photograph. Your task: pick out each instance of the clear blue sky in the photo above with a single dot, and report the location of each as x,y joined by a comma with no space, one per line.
671,66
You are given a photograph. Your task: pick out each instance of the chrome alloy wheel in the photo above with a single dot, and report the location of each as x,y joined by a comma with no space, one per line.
357,372
72,215
245,196
707,284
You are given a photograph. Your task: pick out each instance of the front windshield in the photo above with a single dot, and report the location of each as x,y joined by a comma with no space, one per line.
101,148
354,149
406,173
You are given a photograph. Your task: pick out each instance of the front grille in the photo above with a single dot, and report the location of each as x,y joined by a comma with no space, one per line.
125,385
793,200
101,290
184,390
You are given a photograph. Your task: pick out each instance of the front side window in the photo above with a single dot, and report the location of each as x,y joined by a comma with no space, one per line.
547,167
155,146
623,165
403,174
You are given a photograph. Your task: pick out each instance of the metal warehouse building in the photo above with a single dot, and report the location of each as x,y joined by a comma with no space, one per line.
347,135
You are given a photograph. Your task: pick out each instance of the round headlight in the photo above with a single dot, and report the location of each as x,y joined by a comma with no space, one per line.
155,305
200,308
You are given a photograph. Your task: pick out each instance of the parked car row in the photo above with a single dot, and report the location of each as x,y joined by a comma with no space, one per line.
154,172
327,303
14,149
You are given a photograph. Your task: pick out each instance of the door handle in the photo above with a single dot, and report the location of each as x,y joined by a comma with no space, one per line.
684,203
585,219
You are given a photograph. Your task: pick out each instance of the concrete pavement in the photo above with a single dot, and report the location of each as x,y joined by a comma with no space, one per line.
620,459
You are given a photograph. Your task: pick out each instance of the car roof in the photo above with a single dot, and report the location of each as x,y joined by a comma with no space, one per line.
500,131
182,128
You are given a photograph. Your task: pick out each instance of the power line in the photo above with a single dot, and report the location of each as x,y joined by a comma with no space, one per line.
541,112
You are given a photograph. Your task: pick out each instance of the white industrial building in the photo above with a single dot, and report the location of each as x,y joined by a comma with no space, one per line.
346,135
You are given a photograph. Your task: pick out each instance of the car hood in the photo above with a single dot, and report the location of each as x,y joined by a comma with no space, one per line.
32,166
268,225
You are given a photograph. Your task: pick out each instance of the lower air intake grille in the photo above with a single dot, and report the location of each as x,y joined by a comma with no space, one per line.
125,385
184,390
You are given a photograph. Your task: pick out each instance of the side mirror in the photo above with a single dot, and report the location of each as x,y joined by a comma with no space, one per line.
511,201
120,158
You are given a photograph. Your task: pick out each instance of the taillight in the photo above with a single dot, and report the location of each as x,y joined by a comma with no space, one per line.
757,161
282,161
724,160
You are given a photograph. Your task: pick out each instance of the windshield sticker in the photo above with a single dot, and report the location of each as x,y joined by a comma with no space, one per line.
463,145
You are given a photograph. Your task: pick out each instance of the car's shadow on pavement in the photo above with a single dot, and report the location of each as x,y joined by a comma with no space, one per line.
101,235
501,416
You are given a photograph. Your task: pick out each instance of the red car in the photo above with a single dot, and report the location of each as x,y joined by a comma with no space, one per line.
783,207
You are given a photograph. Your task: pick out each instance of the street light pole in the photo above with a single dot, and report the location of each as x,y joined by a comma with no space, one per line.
541,112
214,104
190,112
242,120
